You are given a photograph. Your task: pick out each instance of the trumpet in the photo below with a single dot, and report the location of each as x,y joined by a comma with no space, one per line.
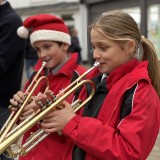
13,118
10,137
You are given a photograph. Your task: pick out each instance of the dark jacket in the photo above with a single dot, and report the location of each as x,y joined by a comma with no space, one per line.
30,52
11,54
75,46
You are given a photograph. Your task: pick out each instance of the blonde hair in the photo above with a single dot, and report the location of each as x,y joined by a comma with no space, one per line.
120,26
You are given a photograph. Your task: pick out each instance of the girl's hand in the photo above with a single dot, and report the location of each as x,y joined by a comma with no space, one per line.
57,119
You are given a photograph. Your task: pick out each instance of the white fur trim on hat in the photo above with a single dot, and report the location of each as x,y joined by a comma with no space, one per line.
23,32
51,35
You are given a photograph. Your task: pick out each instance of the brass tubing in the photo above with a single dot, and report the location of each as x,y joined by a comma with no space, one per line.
23,127
15,136
13,117
37,139
18,113
96,64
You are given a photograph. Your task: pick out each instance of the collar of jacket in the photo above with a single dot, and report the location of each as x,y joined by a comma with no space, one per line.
134,67
66,69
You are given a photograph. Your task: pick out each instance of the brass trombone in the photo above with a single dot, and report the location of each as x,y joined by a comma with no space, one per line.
11,137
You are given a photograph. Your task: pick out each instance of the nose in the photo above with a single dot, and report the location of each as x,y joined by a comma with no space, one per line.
96,54
42,53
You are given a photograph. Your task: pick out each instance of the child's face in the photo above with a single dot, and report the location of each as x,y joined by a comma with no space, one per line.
51,52
107,52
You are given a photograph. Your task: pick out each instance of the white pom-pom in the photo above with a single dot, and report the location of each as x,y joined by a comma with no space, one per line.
23,32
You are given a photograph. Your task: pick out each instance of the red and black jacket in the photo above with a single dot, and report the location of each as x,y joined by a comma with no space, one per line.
53,147
127,124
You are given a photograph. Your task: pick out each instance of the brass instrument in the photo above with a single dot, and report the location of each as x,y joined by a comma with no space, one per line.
13,118
11,137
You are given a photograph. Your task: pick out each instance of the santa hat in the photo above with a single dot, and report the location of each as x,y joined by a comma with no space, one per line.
44,27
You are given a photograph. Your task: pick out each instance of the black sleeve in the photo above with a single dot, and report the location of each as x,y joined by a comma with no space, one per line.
10,43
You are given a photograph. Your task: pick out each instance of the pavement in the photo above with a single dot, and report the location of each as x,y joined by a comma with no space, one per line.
154,155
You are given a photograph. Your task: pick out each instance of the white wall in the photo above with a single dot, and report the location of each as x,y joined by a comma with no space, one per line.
83,27
28,3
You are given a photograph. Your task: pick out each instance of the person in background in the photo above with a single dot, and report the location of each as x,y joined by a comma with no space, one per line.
31,58
11,59
50,38
121,122
75,45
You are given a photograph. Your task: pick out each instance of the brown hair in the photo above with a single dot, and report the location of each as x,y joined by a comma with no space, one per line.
120,26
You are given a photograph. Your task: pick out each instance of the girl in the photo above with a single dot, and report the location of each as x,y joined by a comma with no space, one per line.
121,122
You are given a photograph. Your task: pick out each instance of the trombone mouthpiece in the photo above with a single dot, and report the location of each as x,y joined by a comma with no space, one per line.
44,63
96,64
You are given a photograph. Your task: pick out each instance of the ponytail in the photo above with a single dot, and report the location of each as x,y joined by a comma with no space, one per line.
153,63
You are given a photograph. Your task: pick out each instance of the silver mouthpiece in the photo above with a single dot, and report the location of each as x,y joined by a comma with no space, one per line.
96,64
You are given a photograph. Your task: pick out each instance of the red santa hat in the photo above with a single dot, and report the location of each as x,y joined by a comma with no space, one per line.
44,27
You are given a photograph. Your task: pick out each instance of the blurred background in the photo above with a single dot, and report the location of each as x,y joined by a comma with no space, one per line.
80,13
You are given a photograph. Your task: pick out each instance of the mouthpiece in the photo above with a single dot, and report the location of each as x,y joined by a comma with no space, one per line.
44,63
96,64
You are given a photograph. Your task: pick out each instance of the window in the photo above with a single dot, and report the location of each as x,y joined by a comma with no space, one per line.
154,26
135,13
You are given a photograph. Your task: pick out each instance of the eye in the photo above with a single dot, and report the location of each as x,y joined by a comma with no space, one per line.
47,47
103,48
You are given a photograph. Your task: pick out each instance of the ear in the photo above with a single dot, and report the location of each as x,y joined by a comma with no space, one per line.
65,46
131,47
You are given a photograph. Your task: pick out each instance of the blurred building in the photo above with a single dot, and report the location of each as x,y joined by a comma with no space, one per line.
145,12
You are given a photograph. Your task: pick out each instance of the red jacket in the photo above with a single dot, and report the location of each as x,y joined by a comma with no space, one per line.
53,146
108,138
